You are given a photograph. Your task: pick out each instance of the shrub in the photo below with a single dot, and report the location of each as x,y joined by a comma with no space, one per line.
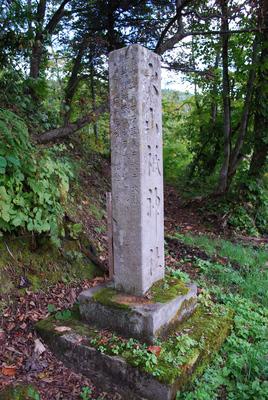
33,185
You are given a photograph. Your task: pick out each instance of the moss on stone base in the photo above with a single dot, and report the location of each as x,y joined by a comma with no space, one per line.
108,297
167,289
162,291
180,357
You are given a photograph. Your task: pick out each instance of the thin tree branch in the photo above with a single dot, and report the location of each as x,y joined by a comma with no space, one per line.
169,25
170,43
188,69
222,32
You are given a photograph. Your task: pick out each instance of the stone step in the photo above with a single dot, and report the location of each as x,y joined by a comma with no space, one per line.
134,369
168,302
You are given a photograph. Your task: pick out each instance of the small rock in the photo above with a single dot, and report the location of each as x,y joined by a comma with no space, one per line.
39,348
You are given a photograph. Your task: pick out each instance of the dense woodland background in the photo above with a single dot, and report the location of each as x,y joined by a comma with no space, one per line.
54,85
55,159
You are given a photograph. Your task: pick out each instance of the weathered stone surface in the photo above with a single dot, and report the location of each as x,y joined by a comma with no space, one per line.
110,373
132,316
137,170
118,373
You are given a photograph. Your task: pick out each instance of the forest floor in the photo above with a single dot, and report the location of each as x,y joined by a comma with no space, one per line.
24,360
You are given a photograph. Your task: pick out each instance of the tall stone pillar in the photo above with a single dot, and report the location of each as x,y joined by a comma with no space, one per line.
137,168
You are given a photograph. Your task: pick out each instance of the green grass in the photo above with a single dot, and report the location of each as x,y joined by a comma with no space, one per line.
245,271
239,371
243,255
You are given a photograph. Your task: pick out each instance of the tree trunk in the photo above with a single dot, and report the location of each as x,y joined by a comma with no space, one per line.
260,152
111,32
213,158
73,81
67,130
93,97
223,179
210,161
214,104
37,48
235,155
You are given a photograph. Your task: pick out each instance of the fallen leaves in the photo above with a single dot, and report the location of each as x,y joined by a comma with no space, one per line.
23,325
9,370
10,326
23,356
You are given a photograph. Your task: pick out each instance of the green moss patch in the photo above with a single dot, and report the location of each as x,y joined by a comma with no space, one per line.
167,289
108,297
161,292
43,265
48,327
175,360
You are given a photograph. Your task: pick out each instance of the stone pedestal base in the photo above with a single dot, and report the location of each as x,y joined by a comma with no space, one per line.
139,317
122,365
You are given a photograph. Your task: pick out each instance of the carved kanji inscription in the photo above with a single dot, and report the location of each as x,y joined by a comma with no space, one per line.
137,170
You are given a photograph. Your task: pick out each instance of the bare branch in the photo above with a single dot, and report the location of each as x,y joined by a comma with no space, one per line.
189,69
169,25
170,43
235,31
201,17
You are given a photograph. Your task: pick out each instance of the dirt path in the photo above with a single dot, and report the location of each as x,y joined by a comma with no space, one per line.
183,217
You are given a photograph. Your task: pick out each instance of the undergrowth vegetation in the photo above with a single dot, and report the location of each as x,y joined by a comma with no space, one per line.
239,281
54,89
167,359
34,184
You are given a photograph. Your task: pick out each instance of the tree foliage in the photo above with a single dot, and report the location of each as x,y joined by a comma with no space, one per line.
54,75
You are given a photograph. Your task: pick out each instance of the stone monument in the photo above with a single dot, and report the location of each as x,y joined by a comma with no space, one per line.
137,168
141,301
137,204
